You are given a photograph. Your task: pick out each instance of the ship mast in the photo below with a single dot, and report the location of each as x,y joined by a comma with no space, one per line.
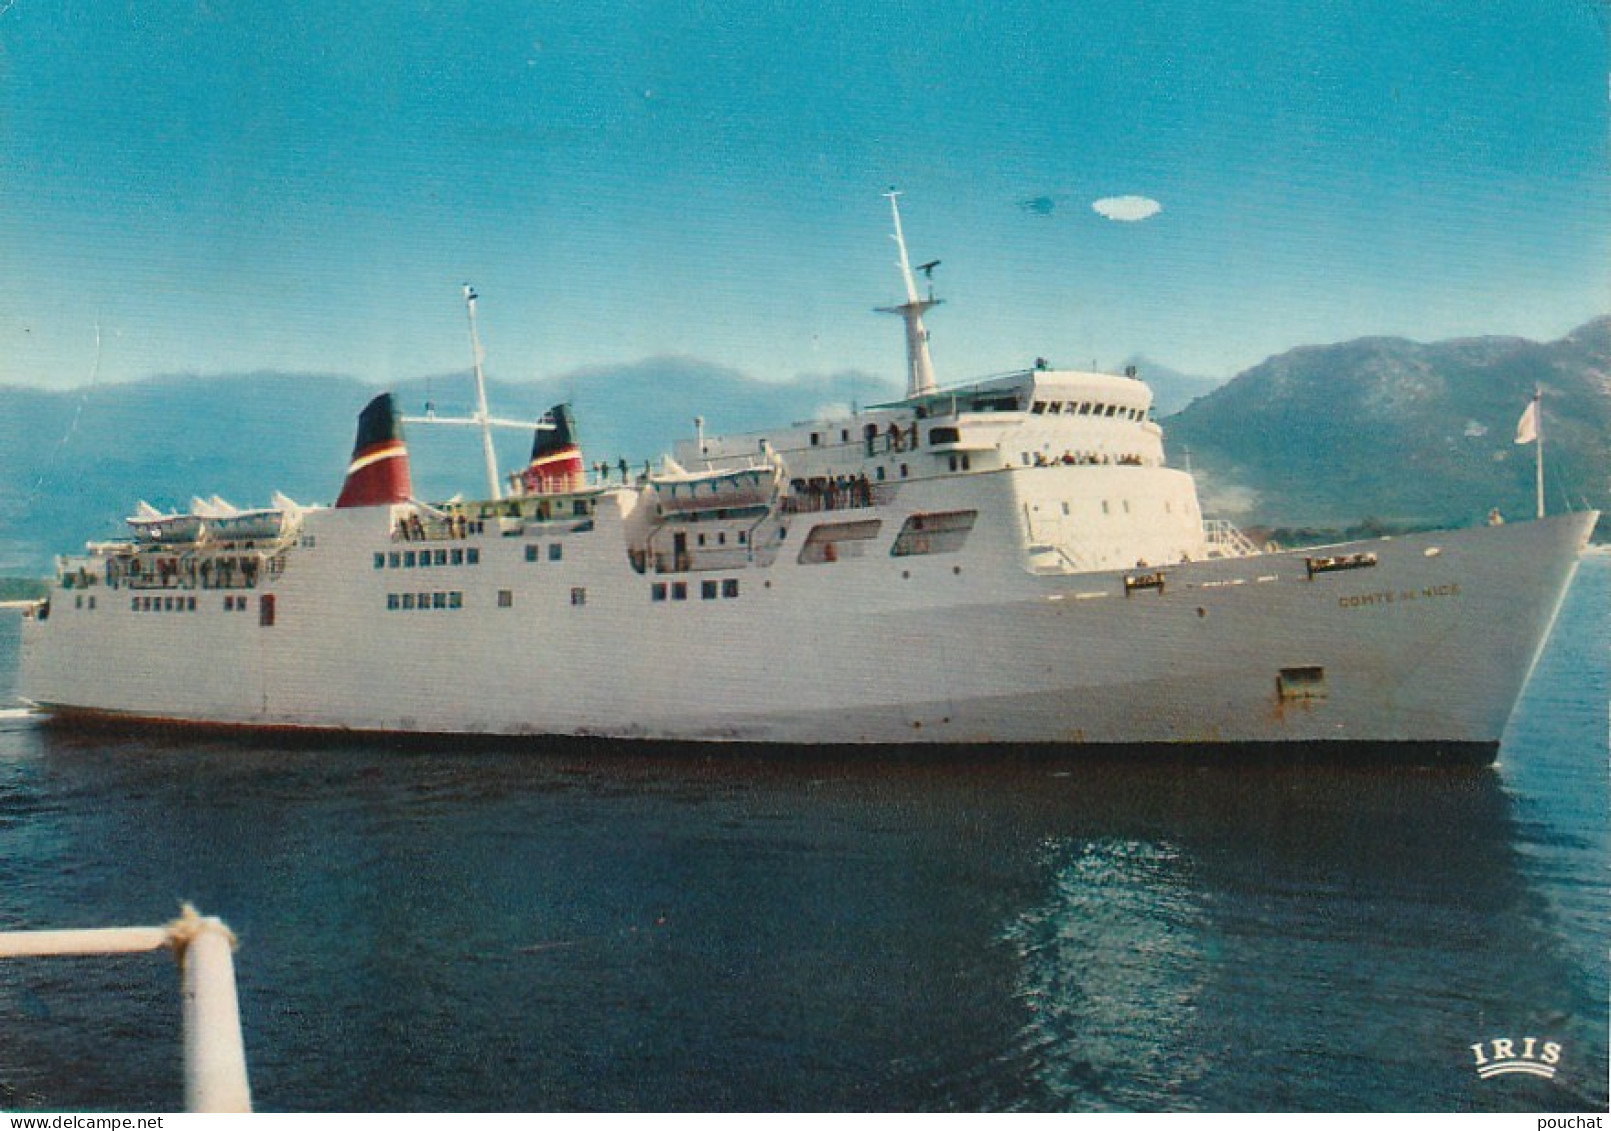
919,366
482,416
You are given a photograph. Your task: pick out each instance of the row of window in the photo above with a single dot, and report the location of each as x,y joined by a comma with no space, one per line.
938,532
164,604
424,559
1085,408
534,551
709,590
438,599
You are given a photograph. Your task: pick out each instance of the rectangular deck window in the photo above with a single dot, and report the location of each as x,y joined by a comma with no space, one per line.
835,541
941,532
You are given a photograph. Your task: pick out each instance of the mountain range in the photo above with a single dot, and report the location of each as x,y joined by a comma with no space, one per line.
1395,433
1378,431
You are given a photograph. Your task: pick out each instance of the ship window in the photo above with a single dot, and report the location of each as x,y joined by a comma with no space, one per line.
701,539
1039,408
879,473
506,598
265,610
1112,408
657,591
439,600
424,601
707,590
472,556
380,561
394,559
679,591
945,435
425,559
1126,506
1085,408
1300,684
579,595
456,599
531,552
1104,506
743,538
730,587
408,600
944,532
832,541
556,551
903,471
1065,508
816,439
167,604
393,601
579,508
458,557
844,435
408,559
1055,407
721,538
441,557
190,604
953,462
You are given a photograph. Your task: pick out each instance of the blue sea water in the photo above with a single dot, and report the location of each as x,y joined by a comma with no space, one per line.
554,929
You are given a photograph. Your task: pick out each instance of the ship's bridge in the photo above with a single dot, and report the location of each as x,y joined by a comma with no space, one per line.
1024,418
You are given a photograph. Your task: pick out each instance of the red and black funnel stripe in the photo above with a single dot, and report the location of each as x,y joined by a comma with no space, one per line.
379,472
556,458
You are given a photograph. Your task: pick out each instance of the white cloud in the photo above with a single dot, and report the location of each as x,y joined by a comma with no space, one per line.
1127,208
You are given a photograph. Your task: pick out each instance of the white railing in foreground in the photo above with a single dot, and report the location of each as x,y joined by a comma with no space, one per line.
215,1055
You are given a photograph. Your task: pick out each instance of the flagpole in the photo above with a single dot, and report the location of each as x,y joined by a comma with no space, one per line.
1538,424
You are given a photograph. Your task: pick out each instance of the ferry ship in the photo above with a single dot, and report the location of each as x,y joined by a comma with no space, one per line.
1008,561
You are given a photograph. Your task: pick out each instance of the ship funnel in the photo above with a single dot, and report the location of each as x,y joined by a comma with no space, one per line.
556,458
378,473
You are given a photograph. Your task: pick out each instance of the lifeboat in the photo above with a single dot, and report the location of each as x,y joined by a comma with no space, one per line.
677,491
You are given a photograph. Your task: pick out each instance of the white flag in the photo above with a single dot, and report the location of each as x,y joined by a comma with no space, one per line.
1527,426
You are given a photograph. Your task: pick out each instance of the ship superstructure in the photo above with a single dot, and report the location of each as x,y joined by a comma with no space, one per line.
1008,560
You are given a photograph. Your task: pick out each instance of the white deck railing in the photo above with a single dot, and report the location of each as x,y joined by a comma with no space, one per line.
215,1054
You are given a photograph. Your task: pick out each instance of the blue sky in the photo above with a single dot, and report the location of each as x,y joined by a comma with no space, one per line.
218,187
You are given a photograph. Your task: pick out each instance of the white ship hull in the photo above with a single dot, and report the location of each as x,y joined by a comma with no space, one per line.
1430,645
964,566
